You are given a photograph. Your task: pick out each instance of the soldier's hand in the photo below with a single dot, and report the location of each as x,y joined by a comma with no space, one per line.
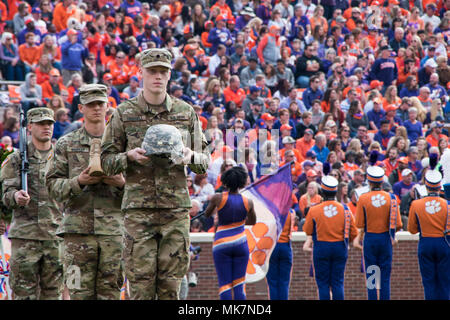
85,179
22,198
137,154
116,181
2,227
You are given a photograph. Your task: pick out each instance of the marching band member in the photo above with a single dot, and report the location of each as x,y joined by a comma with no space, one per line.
377,219
430,216
329,225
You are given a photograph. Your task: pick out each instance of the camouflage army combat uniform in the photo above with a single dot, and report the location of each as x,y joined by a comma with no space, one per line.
36,269
92,224
156,199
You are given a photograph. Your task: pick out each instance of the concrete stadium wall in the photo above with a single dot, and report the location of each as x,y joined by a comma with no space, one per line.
406,283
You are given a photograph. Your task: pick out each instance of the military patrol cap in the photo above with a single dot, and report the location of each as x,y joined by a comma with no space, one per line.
93,92
40,114
156,57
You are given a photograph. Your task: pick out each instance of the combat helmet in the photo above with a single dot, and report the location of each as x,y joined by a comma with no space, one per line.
164,141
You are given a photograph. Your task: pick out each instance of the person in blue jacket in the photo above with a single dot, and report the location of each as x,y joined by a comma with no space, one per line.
220,35
73,54
384,69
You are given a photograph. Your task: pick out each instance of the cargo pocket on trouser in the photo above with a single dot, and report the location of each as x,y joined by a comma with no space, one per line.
173,257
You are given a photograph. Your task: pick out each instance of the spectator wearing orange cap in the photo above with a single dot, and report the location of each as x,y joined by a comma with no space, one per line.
311,176
269,47
194,65
107,80
29,27
53,86
73,55
396,174
220,35
394,120
204,36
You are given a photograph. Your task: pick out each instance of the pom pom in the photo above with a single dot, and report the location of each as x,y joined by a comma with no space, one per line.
433,160
373,158
326,168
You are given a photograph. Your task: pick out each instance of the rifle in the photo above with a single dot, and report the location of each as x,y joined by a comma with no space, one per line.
23,150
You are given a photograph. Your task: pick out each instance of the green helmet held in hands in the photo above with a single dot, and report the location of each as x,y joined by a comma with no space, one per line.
163,141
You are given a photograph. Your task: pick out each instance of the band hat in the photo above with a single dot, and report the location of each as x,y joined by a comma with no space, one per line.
433,179
40,114
329,183
375,174
93,92
156,57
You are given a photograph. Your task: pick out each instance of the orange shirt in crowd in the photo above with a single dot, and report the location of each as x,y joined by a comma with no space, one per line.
121,74
328,220
303,202
47,91
13,7
297,154
61,14
224,10
56,57
303,146
237,96
296,168
41,76
377,212
29,54
4,11
433,141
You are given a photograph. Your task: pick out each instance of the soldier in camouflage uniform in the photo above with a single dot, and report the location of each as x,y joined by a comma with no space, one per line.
92,224
156,200
36,269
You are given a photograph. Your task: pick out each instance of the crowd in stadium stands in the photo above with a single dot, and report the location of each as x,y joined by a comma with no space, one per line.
337,79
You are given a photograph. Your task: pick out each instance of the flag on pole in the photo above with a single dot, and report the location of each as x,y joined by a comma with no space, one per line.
272,199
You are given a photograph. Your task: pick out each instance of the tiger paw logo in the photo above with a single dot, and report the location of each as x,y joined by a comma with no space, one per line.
258,243
330,211
378,200
432,206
